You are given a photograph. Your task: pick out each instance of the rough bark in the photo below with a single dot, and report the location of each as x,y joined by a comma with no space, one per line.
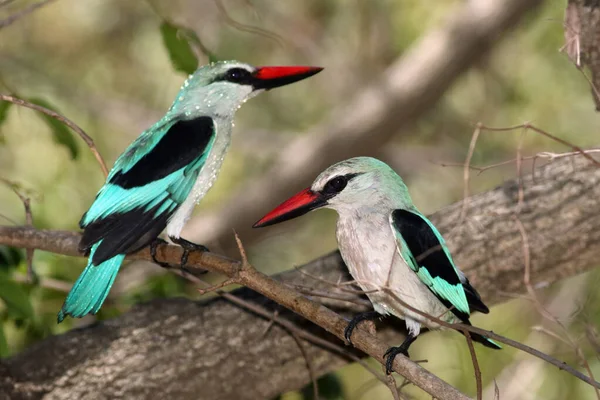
177,348
405,91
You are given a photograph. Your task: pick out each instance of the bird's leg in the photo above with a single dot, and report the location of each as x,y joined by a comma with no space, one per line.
187,248
392,352
366,316
155,243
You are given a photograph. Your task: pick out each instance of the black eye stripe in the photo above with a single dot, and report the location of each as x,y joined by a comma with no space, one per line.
237,75
336,184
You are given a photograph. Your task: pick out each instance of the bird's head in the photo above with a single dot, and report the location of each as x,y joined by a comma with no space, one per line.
222,87
357,183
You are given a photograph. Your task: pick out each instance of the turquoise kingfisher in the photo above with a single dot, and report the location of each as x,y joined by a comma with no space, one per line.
391,249
158,179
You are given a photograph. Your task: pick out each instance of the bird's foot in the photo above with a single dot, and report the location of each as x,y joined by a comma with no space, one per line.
354,322
157,242
187,248
392,352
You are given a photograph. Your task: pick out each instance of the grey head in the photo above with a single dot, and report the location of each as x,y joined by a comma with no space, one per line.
220,88
357,183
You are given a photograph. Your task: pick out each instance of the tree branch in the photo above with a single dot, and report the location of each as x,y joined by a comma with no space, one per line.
174,348
407,89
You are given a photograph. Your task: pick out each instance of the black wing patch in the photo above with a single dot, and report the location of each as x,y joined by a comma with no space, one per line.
424,245
183,143
474,299
427,251
123,233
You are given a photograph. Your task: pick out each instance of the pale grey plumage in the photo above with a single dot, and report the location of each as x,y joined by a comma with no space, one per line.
219,101
368,244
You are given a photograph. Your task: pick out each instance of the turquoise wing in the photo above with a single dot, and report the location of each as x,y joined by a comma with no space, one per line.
149,181
425,251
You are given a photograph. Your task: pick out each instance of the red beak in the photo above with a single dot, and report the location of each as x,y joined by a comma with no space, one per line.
295,206
272,77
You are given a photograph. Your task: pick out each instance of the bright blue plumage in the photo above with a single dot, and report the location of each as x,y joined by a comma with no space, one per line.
159,178
91,288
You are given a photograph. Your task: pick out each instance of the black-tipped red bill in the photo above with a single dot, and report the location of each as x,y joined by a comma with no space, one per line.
295,206
272,77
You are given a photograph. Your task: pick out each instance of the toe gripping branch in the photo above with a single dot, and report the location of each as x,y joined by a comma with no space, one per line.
366,316
185,244
392,352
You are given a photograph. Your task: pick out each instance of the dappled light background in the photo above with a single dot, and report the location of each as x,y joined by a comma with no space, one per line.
104,65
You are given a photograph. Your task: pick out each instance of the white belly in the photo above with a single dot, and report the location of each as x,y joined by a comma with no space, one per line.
368,248
206,178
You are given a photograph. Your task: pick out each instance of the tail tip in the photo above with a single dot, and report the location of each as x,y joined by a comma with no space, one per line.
491,344
60,317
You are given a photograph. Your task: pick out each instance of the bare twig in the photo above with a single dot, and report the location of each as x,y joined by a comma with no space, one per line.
536,353
88,140
476,368
29,222
22,13
528,126
247,28
218,286
48,283
311,372
407,89
391,384
268,287
542,310
466,171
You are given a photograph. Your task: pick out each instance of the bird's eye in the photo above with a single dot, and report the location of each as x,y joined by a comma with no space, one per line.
335,185
237,75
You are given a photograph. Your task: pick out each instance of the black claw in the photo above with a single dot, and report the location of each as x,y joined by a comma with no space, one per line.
187,248
392,352
153,246
390,355
354,322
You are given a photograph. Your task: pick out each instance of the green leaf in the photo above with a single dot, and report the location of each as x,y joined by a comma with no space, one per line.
191,35
330,388
15,297
3,344
4,106
181,53
10,257
61,133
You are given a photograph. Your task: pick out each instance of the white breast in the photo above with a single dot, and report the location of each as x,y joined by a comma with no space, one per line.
368,247
206,178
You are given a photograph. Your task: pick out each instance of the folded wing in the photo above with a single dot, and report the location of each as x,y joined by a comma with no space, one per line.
148,183
426,253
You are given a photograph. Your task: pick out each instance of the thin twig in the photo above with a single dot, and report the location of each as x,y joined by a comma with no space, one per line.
29,222
25,11
328,295
391,384
476,368
311,372
523,347
221,285
542,310
47,283
542,132
466,171
88,140
248,28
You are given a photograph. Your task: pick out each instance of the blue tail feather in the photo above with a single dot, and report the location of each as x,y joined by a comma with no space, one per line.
91,288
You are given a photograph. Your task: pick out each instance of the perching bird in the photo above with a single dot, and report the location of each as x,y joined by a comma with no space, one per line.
388,244
159,178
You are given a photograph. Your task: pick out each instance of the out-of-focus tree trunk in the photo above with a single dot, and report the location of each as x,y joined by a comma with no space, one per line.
177,348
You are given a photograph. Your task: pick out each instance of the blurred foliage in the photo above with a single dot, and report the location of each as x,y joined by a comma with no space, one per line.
60,131
114,67
181,53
